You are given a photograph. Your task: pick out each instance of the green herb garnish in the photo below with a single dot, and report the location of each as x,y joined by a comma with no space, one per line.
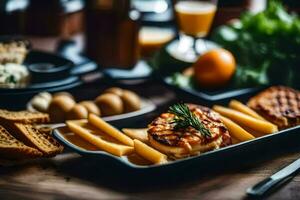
185,118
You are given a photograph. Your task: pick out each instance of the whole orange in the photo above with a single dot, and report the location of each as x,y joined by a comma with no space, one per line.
214,68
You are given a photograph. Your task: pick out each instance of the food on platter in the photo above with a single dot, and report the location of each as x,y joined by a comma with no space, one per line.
77,112
91,107
22,137
62,106
36,138
263,43
114,90
246,120
13,51
214,68
41,101
12,72
25,117
110,104
11,148
59,107
279,105
13,75
184,130
137,133
149,153
63,94
236,131
131,101
110,130
187,130
111,147
239,106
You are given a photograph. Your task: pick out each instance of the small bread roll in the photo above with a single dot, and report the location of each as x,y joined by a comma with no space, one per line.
77,112
131,101
58,94
40,104
45,95
114,90
59,107
91,107
109,104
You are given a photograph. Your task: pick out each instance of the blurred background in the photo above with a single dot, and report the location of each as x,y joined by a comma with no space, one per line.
114,33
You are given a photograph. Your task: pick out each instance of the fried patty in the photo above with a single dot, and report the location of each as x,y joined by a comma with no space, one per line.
279,105
188,141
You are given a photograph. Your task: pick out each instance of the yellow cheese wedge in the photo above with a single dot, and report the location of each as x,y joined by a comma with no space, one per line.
149,153
113,148
236,131
109,129
246,120
137,133
236,105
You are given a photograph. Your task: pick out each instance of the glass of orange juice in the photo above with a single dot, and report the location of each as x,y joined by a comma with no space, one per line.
194,18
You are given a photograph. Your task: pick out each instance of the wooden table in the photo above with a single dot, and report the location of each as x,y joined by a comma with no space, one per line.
69,175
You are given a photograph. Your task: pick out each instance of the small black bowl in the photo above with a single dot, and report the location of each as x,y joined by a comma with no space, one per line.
44,72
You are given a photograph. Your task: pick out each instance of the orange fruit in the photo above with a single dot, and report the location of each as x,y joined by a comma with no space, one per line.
214,68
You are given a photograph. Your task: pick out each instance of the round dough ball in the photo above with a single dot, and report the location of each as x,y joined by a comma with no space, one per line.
58,94
77,112
109,104
91,107
59,107
40,104
45,95
131,101
114,90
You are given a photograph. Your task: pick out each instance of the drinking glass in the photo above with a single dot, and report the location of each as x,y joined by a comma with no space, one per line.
194,18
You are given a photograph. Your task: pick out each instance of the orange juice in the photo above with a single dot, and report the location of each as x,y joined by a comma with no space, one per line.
151,39
195,17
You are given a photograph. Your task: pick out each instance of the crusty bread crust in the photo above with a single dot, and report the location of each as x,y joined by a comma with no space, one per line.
11,148
279,105
35,138
25,117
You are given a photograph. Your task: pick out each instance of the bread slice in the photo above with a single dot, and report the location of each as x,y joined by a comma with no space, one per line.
279,105
23,117
11,148
35,138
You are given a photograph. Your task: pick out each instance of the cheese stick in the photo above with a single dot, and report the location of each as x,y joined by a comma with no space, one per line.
236,105
113,148
236,131
149,153
109,129
246,120
137,133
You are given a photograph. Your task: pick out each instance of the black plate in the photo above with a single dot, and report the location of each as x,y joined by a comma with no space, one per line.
236,153
36,57
165,65
208,95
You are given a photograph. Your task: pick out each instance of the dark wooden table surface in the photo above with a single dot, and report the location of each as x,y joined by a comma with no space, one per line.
70,176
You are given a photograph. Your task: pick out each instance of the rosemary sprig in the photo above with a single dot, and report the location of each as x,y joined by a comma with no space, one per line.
185,118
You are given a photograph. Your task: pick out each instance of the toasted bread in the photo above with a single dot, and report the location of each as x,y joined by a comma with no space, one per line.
11,148
279,105
25,117
35,138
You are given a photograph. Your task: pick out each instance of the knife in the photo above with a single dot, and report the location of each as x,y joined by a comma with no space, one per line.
274,181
